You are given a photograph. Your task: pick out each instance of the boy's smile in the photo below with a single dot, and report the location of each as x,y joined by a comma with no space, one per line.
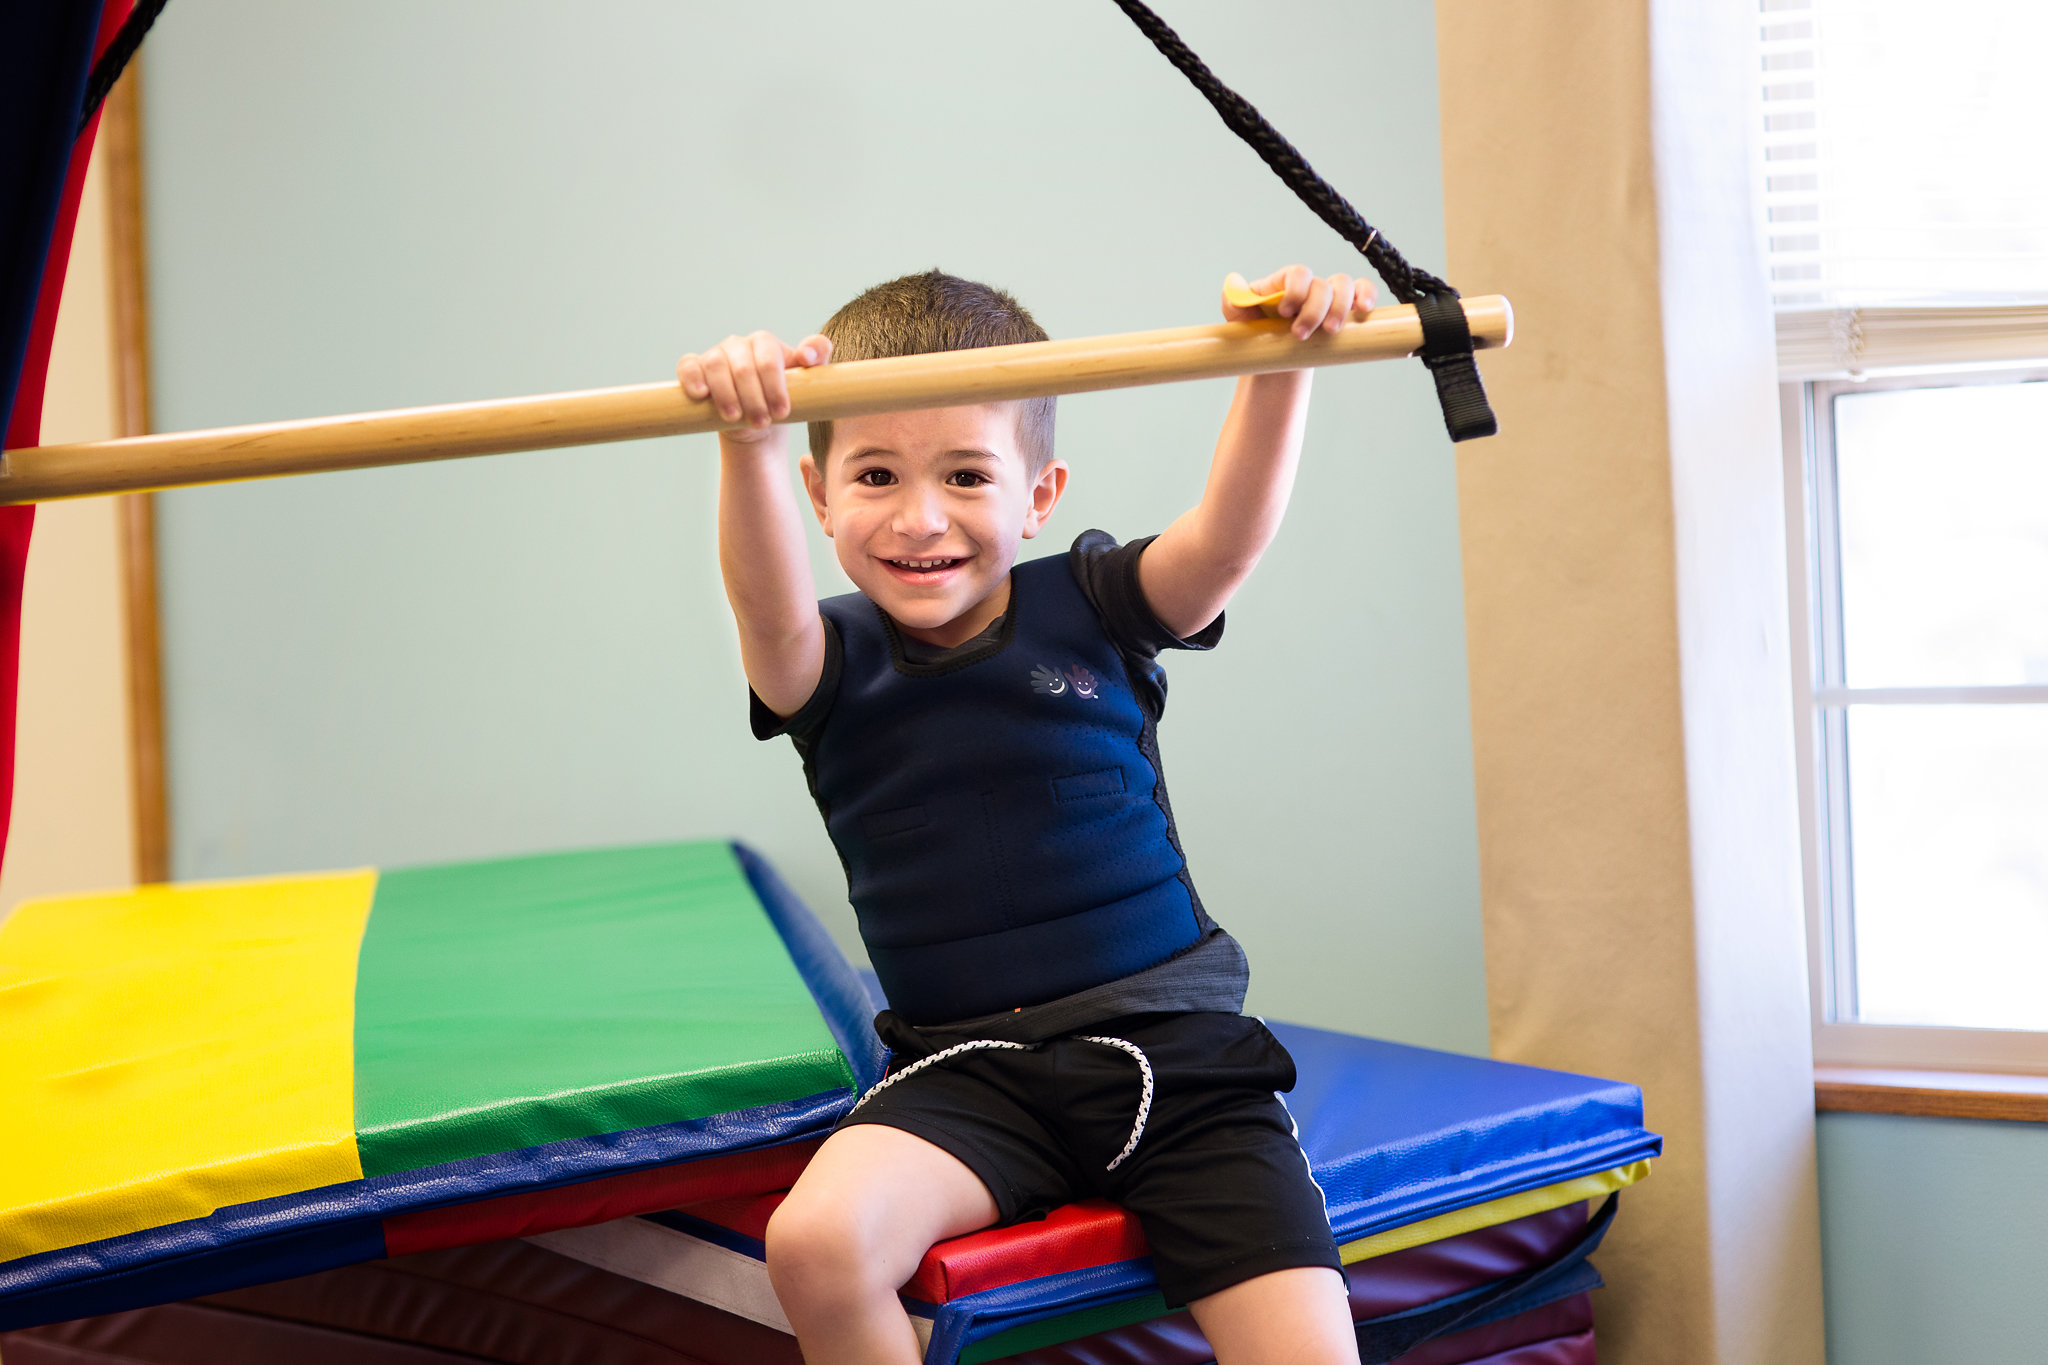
926,511
923,571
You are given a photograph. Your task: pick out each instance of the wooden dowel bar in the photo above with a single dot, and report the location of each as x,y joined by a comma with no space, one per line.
635,412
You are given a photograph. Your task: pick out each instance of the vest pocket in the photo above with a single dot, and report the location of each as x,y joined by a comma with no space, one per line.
889,823
1085,786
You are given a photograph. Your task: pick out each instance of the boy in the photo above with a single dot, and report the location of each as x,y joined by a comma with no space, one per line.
979,736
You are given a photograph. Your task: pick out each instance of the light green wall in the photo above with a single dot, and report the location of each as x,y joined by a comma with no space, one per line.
381,203
373,204
1934,1237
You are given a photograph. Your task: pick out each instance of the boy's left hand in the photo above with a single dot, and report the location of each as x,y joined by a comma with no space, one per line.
1311,302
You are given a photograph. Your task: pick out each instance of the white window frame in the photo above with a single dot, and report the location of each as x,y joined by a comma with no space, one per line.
1821,734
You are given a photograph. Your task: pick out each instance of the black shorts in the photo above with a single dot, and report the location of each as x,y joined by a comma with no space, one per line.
1217,1179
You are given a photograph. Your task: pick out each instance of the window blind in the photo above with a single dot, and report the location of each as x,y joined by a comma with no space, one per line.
1905,181
1834,343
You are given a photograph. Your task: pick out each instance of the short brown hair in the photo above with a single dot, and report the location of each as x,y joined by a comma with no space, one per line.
919,314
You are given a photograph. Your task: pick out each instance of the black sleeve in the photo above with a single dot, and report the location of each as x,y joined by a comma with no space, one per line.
810,717
1108,574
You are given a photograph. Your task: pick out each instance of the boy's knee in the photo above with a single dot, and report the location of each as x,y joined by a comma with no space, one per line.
817,1248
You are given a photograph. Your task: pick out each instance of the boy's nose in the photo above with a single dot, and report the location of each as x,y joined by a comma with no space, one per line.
920,513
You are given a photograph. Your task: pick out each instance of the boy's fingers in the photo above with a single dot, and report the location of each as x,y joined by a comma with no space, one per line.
1338,307
1298,281
770,359
746,382
1314,307
718,380
690,374
815,349
1365,295
753,403
735,359
738,354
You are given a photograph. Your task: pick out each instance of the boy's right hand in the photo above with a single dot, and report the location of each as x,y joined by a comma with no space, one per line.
745,378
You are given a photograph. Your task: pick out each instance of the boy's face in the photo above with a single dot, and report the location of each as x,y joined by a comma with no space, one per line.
926,511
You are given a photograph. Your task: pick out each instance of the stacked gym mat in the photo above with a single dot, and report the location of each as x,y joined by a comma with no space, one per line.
219,1086
207,1086
1484,1163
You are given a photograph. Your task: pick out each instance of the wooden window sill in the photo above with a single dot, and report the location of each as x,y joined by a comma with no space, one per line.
1932,1094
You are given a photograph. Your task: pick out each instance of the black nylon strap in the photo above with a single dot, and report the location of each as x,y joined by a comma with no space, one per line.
1466,413
1447,350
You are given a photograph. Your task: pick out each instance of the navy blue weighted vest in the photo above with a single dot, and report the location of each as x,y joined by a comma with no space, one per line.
1003,822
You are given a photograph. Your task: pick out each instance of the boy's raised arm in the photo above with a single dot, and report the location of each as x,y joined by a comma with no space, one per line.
1190,572
761,550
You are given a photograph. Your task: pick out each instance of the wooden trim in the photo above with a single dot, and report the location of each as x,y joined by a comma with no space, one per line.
636,412
145,689
1931,1094
120,142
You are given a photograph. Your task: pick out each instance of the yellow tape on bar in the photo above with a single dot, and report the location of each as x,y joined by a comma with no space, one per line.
1493,1212
1238,294
174,1049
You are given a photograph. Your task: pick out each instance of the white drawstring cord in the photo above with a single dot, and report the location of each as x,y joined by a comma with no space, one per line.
1144,1099
976,1044
939,1056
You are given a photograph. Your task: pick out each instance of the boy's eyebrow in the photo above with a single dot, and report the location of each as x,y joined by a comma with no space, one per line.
959,453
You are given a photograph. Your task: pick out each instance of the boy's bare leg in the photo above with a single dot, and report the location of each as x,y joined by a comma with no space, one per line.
1285,1317
871,1203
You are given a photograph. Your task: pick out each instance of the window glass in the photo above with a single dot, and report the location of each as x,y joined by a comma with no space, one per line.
1949,810
1943,515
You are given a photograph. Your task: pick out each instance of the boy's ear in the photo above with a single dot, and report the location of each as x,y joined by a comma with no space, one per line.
814,484
1045,495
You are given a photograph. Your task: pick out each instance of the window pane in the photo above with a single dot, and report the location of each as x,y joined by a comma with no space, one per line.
1943,497
1950,811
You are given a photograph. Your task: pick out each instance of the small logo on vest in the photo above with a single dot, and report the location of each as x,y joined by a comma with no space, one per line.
1051,682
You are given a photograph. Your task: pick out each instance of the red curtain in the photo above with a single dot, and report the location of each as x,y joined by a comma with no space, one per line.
24,428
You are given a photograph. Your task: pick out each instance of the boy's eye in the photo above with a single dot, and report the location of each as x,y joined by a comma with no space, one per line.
966,478
875,478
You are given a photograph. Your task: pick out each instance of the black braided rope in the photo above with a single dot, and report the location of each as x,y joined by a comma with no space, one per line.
1289,164
115,59
1447,341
